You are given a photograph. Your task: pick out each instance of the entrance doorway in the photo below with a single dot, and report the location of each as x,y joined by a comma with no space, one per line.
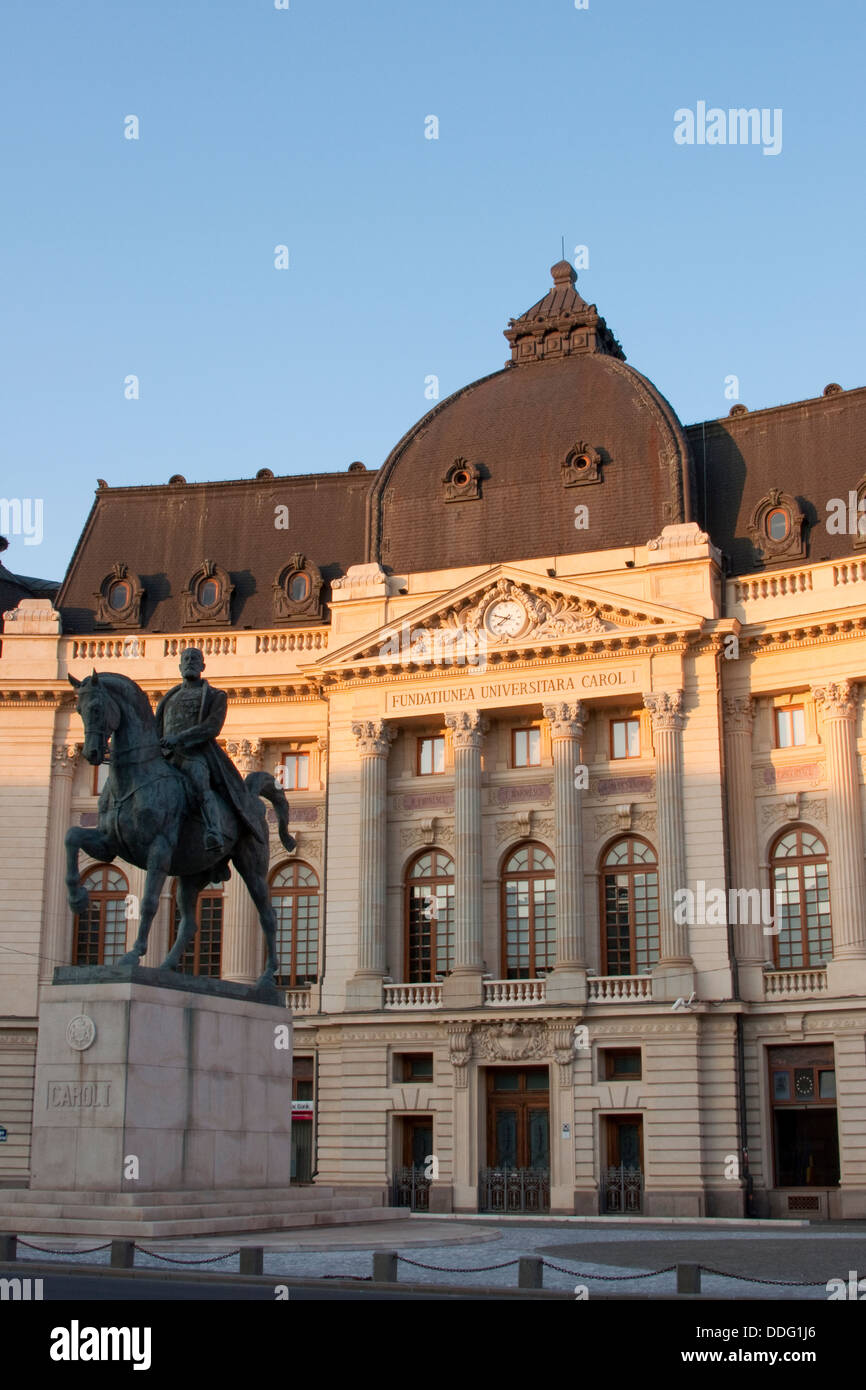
623,1176
517,1176
413,1173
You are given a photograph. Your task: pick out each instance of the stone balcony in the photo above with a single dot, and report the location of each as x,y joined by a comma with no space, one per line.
805,983
498,994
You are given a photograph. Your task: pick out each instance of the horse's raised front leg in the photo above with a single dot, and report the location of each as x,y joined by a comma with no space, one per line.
158,861
188,889
98,846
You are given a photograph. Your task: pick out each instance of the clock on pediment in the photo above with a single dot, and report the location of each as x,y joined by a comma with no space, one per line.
505,618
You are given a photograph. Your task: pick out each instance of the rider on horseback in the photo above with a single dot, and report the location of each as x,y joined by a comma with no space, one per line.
189,718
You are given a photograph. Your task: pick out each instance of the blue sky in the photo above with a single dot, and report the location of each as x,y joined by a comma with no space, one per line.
305,127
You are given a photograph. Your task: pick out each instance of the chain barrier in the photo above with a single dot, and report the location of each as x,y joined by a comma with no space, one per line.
46,1249
783,1283
446,1269
608,1278
172,1261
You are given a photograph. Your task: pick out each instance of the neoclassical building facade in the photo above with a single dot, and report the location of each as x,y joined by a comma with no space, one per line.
567,700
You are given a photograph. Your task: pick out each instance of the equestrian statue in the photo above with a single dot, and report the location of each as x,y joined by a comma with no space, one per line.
174,802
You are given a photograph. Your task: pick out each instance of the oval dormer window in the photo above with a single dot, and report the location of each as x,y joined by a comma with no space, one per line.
208,593
778,524
119,595
298,586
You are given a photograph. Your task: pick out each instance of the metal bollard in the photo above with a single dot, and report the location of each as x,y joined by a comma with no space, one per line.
122,1254
530,1272
385,1266
252,1259
688,1278
8,1248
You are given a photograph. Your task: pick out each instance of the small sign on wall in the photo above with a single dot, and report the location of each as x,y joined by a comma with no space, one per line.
566,1131
2,1135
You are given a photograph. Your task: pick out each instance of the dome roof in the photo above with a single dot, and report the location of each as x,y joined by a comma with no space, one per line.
496,471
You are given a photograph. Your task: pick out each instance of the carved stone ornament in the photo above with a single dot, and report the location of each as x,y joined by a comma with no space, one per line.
462,482
459,1044
207,597
374,737
298,591
666,709
581,465
118,599
509,612
468,727
246,754
837,699
80,1032
789,546
510,1041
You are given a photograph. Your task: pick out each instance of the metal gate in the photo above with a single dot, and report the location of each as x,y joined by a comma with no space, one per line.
623,1189
514,1189
411,1189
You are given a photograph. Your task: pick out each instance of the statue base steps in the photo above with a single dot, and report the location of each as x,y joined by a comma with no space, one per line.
156,1215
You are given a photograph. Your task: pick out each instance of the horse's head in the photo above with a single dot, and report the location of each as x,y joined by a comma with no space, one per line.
100,714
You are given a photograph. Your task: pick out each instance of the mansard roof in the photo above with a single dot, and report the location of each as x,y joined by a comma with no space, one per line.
163,534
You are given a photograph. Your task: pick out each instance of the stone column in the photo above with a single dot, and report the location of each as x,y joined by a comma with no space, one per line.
57,934
567,983
463,988
242,948
374,738
674,973
753,948
837,701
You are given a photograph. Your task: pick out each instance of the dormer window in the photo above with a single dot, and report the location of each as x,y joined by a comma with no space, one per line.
208,595
298,591
778,524
118,599
298,586
776,527
119,595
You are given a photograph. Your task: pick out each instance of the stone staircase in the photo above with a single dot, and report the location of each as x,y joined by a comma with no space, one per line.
154,1215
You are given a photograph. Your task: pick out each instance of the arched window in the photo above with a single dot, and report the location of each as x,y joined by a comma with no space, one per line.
801,900
429,917
629,908
204,956
528,913
295,899
100,932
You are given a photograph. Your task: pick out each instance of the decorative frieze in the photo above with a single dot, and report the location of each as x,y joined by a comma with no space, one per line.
628,819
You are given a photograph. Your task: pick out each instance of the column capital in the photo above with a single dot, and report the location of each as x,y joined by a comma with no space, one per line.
65,757
374,737
666,708
566,720
739,713
246,754
837,699
468,727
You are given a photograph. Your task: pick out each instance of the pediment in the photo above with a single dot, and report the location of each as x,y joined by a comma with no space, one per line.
507,610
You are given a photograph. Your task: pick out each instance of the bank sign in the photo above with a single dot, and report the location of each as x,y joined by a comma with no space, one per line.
607,680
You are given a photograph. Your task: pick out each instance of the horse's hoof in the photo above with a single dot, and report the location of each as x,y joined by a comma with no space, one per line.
131,958
79,903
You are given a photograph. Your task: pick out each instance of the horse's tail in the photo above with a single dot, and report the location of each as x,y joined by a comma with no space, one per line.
263,784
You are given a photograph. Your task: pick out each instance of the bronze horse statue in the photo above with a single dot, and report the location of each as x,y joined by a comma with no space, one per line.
148,817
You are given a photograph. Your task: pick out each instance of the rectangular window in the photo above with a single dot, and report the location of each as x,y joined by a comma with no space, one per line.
790,727
296,772
526,747
625,738
413,1066
623,1065
431,755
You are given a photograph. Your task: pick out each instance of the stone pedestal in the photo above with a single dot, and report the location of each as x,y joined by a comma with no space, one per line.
145,1088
